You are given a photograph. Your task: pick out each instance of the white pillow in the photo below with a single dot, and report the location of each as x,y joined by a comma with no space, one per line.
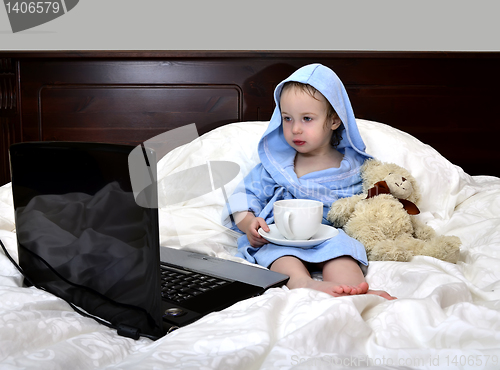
440,181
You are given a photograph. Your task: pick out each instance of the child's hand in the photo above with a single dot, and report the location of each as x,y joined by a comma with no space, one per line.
253,235
249,224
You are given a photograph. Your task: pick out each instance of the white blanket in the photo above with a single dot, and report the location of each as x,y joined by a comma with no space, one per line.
446,315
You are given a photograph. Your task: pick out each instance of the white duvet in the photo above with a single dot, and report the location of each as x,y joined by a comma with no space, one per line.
446,315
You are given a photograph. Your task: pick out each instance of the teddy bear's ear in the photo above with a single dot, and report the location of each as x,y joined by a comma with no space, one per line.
370,173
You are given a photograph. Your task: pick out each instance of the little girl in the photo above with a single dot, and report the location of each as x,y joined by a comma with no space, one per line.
312,149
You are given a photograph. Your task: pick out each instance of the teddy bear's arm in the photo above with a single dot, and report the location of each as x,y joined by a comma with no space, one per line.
342,209
422,231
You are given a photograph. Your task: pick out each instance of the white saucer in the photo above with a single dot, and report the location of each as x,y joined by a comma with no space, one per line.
274,236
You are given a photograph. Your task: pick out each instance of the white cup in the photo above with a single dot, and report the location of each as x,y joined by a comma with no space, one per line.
298,219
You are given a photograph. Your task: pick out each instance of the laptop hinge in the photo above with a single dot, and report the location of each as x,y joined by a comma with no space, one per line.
128,331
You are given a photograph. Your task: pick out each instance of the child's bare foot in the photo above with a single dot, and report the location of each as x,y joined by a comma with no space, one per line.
351,289
339,269
337,290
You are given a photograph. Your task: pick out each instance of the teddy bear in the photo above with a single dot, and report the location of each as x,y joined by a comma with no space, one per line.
383,217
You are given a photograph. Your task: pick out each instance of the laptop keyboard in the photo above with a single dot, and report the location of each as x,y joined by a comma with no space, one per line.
179,285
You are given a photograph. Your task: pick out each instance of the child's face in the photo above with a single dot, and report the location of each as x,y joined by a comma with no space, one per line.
305,124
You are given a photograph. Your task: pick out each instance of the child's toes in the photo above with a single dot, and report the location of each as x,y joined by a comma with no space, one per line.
363,288
342,289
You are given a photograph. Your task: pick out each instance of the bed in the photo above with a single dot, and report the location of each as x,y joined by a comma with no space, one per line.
446,315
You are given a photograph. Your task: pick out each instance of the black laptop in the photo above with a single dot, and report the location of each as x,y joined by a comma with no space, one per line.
86,235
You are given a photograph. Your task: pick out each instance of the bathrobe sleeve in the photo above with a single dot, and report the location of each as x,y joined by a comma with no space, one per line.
252,194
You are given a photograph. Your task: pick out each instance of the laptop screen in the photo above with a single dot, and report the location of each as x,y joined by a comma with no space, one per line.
81,234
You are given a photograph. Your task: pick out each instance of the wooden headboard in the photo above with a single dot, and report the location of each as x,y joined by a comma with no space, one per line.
447,100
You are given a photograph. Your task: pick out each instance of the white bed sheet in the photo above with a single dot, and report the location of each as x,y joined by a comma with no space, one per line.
446,315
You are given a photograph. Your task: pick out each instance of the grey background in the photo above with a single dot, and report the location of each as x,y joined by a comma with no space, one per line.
437,25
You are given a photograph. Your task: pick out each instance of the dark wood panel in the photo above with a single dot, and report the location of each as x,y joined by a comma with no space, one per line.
456,121
447,100
9,113
5,139
131,114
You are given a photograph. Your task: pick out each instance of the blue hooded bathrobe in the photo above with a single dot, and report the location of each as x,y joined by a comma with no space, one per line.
274,178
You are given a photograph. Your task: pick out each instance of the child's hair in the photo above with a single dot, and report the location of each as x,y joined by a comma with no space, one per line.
330,112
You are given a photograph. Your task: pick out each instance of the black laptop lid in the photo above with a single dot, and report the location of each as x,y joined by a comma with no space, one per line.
81,234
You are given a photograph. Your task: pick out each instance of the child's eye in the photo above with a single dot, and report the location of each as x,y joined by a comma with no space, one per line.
286,119
307,119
